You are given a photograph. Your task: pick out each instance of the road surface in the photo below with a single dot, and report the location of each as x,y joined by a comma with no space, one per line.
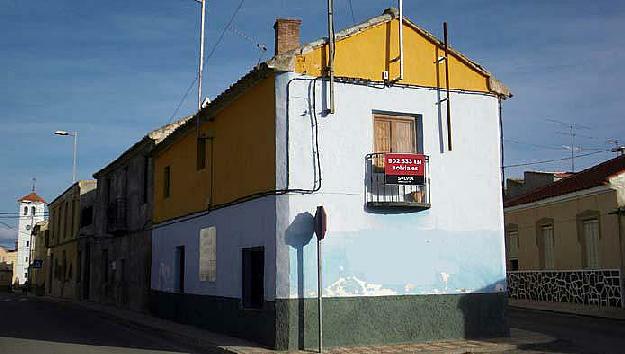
575,334
31,325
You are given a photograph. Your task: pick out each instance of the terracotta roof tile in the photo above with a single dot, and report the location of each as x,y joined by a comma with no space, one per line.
592,177
32,197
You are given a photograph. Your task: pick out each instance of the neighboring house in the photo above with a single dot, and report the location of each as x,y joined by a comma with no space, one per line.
532,180
233,248
65,267
120,254
573,224
31,210
6,276
38,253
6,268
5,255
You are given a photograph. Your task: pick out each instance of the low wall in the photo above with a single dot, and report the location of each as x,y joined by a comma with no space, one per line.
601,287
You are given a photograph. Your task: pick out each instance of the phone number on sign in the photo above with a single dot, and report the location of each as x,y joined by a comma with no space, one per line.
405,161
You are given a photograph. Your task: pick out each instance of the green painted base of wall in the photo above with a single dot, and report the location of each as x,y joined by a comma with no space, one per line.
390,319
218,314
350,321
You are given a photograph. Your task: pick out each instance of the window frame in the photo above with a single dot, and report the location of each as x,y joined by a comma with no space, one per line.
166,182
591,263
548,263
201,154
417,120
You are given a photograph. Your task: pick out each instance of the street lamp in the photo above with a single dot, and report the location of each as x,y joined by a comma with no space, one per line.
75,135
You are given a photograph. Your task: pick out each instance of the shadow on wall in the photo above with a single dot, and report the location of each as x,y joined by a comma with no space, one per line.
299,233
484,312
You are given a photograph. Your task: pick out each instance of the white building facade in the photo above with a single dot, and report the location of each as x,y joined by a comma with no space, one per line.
32,210
400,263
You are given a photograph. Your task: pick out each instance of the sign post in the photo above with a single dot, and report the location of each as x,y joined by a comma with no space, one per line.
320,231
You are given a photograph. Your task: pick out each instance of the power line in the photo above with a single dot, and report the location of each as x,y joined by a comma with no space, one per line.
210,54
552,160
184,97
351,10
223,31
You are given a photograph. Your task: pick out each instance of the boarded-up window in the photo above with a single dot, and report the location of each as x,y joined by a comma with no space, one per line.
591,237
548,246
393,134
208,254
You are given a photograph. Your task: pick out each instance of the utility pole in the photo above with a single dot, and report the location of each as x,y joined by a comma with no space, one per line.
201,61
572,129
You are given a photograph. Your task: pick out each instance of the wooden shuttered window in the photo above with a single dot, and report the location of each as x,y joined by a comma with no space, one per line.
393,134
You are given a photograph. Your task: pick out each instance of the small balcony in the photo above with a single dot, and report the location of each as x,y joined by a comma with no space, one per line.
116,216
404,196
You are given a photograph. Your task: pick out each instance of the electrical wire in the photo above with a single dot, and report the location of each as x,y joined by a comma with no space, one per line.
317,178
553,160
206,58
223,31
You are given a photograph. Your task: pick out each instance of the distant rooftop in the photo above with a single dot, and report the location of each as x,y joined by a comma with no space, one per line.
32,197
594,176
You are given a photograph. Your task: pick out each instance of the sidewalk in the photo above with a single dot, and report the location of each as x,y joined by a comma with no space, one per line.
210,342
615,313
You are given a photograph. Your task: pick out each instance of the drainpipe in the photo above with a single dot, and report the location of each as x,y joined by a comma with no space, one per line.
401,40
331,52
501,147
619,212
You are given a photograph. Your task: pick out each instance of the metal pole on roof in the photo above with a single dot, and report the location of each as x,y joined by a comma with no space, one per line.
401,40
75,157
331,52
201,63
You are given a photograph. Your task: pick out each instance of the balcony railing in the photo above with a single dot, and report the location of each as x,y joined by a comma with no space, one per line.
379,195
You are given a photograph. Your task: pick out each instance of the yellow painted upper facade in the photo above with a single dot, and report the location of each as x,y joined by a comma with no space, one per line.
240,156
368,53
241,144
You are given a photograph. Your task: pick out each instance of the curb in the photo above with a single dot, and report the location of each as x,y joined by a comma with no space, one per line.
564,312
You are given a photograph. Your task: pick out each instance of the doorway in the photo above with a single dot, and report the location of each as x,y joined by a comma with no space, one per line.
253,287
179,266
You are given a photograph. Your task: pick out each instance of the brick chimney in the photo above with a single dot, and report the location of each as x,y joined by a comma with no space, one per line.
287,34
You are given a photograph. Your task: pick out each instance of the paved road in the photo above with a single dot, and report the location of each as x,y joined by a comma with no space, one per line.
31,325
575,334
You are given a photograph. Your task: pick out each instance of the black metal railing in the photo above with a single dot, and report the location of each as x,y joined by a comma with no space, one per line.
378,194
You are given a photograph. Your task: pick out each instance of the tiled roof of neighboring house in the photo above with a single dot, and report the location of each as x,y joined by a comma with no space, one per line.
155,137
32,197
594,176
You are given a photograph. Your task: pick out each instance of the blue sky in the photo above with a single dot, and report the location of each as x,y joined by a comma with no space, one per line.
115,69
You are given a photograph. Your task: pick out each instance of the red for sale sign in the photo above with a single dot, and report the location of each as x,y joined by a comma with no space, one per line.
404,168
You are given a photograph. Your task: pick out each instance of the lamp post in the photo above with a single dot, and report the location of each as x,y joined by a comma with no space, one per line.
75,135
